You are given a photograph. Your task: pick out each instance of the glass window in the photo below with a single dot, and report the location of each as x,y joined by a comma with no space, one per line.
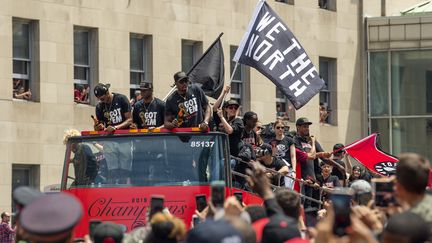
381,126
191,52
378,83
284,109
24,175
327,4
21,68
139,51
237,85
410,79
412,135
327,109
82,64
145,160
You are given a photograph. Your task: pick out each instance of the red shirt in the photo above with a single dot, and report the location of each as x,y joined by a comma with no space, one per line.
7,234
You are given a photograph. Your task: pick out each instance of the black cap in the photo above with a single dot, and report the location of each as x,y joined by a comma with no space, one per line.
231,102
101,89
52,215
303,121
25,195
108,232
280,228
180,76
146,85
214,232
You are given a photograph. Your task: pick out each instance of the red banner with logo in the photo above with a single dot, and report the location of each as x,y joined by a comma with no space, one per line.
367,152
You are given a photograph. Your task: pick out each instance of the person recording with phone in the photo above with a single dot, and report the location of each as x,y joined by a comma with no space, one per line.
265,157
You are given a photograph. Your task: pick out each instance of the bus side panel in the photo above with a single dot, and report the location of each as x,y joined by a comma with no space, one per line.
128,206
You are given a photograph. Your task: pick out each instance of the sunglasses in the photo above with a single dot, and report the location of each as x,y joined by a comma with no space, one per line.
232,107
259,128
280,127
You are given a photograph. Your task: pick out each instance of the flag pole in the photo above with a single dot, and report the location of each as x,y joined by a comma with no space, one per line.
229,83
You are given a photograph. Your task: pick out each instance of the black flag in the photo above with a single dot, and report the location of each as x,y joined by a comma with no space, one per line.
208,71
270,47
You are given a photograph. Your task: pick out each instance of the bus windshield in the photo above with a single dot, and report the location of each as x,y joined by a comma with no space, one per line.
144,160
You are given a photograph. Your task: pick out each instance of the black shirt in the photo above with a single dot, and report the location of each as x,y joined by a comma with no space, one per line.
276,165
149,115
249,137
311,167
187,109
336,172
235,136
330,182
283,148
114,113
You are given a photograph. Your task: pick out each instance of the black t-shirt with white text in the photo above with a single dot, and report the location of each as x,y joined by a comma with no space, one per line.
249,137
149,115
283,147
187,109
330,182
276,165
113,114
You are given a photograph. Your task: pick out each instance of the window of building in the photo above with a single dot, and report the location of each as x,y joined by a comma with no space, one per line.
85,64
284,109
327,4
191,51
291,2
24,175
238,84
403,115
140,62
328,102
25,81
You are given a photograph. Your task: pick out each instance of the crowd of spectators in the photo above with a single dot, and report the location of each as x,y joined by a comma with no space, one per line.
299,182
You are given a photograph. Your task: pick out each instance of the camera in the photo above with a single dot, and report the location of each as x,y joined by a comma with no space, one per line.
341,201
218,193
384,194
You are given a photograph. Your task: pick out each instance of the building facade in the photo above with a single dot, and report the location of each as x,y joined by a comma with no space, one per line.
400,82
60,49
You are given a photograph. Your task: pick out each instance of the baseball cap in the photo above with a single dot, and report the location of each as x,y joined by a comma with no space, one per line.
108,232
180,76
230,102
214,232
302,121
47,217
279,229
361,186
101,89
146,85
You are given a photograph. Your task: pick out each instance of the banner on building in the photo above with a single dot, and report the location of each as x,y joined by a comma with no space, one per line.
271,48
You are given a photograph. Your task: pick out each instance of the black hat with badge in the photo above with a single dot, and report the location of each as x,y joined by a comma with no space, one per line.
51,218
178,76
108,232
230,102
101,89
303,121
146,85
280,229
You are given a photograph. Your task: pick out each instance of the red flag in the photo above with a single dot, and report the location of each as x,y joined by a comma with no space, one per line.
367,152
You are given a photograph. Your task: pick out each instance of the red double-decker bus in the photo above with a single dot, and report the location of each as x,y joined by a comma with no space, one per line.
114,176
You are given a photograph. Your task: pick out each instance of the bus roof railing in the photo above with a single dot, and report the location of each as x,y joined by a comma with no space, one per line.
145,131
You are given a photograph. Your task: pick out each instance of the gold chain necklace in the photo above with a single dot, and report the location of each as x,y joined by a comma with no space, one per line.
107,112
